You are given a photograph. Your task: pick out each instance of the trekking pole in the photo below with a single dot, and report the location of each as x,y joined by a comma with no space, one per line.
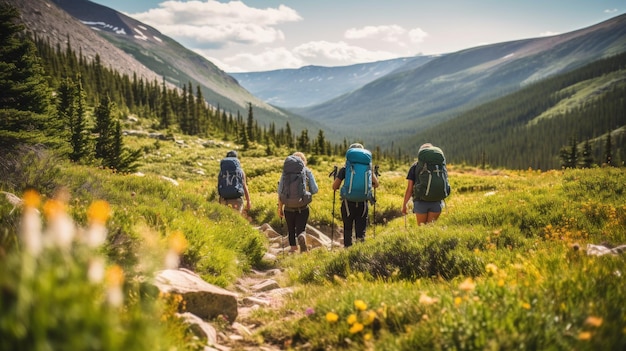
333,173
377,175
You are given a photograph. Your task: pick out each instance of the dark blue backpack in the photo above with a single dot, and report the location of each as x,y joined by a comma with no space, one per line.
357,185
230,179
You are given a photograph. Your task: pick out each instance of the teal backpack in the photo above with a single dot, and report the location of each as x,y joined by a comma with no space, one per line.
357,185
431,183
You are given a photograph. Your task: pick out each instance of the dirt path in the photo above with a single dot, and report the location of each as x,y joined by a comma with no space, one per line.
257,290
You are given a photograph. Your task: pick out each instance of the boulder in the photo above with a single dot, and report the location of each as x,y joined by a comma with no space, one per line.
200,328
200,298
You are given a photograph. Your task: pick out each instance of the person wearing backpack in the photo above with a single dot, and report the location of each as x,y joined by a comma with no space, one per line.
295,192
355,193
232,187
427,184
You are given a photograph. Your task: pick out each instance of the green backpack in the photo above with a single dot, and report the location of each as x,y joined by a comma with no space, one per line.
431,175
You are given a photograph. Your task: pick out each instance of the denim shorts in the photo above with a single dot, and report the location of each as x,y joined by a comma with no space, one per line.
423,207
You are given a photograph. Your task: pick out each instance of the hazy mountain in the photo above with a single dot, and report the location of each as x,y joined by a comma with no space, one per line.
532,127
311,85
414,95
128,46
399,104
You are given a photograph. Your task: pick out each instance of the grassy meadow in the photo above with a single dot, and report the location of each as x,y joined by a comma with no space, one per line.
504,268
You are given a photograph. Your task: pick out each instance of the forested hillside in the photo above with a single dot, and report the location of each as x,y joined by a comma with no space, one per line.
80,109
538,126
518,259
400,105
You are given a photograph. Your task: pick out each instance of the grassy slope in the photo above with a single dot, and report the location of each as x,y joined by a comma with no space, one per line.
510,232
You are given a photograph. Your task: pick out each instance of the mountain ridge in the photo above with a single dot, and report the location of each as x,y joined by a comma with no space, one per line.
307,86
436,91
130,47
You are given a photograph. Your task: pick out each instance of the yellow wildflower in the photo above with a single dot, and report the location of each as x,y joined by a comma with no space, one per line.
114,276
352,319
177,242
584,336
53,208
593,321
360,305
491,268
458,300
332,317
31,198
526,305
367,336
99,211
356,327
370,317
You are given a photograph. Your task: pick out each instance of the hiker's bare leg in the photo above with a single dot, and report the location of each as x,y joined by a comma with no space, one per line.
432,216
421,218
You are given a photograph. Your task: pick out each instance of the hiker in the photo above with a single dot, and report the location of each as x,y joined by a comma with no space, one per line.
231,184
356,191
295,190
427,184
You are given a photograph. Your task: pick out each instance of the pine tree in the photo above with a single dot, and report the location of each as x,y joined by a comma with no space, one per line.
120,158
23,84
164,116
193,113
288,136
587,155
573,153
303,141
608,150
71,110
243,136
320,143
569,155
104,128
201,113
184,120
250,123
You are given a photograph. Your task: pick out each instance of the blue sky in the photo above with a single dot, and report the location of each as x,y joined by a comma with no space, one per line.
261,35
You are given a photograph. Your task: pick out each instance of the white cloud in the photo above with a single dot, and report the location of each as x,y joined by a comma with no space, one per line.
390,33
218,23
610,11
338,53
417,35
548,34
220,35
321,53
270,59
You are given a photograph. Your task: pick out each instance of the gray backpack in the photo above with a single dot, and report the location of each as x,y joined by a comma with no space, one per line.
294,193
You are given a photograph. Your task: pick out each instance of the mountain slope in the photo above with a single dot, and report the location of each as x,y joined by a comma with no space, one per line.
46,20
530,127
130,46
400,104
311,85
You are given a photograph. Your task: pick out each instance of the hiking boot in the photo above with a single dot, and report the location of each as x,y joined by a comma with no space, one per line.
302,242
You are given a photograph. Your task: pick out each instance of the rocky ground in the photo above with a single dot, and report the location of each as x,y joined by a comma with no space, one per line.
260,290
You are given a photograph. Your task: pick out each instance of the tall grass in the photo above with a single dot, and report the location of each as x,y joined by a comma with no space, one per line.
503,268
